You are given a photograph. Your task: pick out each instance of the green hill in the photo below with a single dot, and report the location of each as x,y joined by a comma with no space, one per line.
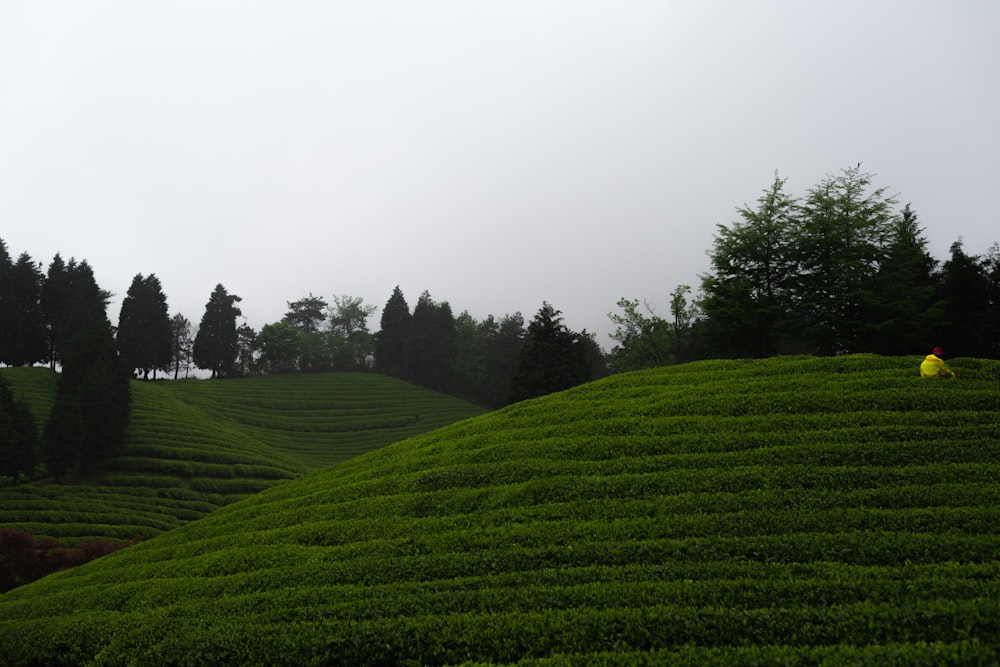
194,446
786,511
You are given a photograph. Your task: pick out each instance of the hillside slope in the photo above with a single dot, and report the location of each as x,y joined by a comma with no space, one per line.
194,446
783,511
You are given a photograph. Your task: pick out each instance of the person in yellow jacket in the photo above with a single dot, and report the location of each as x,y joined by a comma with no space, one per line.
933,366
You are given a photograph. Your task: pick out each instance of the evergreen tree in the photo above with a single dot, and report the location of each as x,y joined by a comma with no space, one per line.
18,435
553,358
90,412
55,302
390,342
22,333
9,341
903,307
504,342
307,314
216,345
968,321
144,329
420,343
840,242
749,296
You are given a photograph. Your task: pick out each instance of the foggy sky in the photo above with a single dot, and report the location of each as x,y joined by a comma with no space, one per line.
496,154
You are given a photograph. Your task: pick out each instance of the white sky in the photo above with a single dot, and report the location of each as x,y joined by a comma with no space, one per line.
497,154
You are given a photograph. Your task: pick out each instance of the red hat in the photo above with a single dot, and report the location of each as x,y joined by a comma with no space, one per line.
938,350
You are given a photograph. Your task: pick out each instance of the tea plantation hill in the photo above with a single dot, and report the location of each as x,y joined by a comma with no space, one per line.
196,445
786,511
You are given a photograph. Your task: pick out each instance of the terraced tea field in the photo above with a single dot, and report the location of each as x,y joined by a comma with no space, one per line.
793,511
194,446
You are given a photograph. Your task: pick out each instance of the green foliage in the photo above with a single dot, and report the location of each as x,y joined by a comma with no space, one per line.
195,446
835,272
90,411
216,345
792,510
145,337
970,288
390,343
553,358
19,452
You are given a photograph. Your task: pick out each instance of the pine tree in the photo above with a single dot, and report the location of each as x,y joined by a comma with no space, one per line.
390,342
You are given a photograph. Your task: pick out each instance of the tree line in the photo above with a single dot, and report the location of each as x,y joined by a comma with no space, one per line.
840,270
59,318
492,362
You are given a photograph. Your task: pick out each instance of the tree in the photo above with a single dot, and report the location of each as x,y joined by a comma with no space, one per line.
216,345
144,328
349,327
903,308
430,344
390,342
469,365
279,344
552,359
968,327
56,293
8,307
504,341
90,412
643,342
840,242
749,295
307,314
18,435
22,332
182,342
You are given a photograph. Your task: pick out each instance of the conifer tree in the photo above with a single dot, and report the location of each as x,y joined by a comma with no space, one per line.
216,345
749,296
18,435
90,412
144,329
390,342
553,358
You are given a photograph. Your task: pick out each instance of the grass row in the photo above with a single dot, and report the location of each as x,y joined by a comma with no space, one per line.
623,522
195,446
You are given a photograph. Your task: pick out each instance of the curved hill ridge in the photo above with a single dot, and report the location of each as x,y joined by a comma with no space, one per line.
791,510
196,445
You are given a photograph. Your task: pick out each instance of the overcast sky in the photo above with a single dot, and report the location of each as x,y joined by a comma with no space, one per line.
497,154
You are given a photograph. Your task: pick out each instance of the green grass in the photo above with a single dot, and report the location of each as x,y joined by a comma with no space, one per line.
793,511
194,446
